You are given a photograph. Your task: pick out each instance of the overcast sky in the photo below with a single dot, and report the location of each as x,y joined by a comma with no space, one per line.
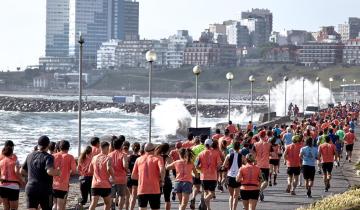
22,22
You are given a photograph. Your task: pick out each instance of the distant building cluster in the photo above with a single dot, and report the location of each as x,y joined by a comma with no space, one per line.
112,40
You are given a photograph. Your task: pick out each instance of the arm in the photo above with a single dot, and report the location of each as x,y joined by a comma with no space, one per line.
50,170
238,177
285,156
126,163
109,167
170,166
226,162
73,167
135,173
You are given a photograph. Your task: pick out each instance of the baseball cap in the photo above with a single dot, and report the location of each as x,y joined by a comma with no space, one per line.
44,141
208,142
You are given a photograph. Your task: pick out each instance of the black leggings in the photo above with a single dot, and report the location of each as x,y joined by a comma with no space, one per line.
166,189
85,188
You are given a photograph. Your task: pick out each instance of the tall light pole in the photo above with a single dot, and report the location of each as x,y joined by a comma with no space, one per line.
81,41
269,80
197,71
303,95
252,80
318,92
344,81
285,81
150,57
330,84
354,90
229,77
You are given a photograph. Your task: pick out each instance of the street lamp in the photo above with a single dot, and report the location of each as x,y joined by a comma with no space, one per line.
344,81
318,93
285,80
197,71
330,83
252,80
229,77
303,95
269,80
81,41
354,90
150,57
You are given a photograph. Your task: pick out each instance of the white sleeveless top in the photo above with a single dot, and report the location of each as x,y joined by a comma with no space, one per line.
234,169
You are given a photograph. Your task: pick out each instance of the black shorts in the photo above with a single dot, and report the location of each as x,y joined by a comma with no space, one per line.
309,172
196,181
102,192
232,182
249,194
349,147
132,182
44,200
59,194
152,199
9,194
327,167
294,171
265,173
209,185
274,162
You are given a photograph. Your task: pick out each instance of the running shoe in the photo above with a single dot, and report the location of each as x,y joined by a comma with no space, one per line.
261,196
173,196
288,189
192,204
308,193
270,184
293,193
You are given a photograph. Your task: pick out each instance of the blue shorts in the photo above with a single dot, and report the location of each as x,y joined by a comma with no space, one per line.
183,187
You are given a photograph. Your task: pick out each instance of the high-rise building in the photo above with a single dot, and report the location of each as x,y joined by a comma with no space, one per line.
125,19
351,53
238,34
176,48
354,27
343,30
257,31
261,13
57,28
106,58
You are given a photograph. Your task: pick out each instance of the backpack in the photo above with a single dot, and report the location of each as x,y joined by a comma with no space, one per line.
231,159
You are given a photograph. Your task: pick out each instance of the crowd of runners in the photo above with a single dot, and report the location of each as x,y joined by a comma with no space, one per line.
244,161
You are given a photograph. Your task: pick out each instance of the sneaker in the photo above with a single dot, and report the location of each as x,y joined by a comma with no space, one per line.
275,183
319,171
173,196
270,184
308,193
293,193
288,189
261,196
192,204
221,188
349,161
328,185
338,163
326,189
347,157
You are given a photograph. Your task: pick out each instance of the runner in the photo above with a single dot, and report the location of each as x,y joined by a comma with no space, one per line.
250,178
308,154
120,166
208,162
95,146
189,142
233,163
349,143
232,128
183,179
217,135
150,172
67,165
39,168
102,169
275,152
10,177
132,184
262,154
287,138
293,162
85,177
326,154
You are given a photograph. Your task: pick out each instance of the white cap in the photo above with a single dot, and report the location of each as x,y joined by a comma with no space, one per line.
208,142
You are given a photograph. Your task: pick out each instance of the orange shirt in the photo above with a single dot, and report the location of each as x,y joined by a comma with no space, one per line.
7,169
183,171
188,144
274,154
349,138
101,175
174,154
262,149
67,164
117,158
292,152
249,177
249,127
228,140
209,160
95,151
232,128
327,152
216,136
83,166
147,169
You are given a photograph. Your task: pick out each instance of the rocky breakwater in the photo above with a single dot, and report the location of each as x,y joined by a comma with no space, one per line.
46,105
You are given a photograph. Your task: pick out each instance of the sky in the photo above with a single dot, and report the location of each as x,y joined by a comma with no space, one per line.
22,22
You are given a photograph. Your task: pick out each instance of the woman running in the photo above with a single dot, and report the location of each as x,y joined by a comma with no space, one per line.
309,154
132,184
85,177
274,160
163,151
10,177
183,180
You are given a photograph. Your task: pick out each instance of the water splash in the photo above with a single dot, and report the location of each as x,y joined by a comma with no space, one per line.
172,118
295,95
243,116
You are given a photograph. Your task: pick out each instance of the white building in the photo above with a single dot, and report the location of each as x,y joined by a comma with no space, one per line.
232,33
344,31
279,38
176,47
106,58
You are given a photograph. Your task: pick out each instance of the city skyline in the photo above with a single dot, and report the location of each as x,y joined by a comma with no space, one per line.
23,41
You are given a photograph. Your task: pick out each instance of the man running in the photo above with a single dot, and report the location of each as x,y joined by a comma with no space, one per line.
327,155
309,154
293,162
349,143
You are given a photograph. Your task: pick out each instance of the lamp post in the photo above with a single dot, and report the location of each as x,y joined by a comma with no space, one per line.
269,80
81,41
197,71
229,77
252,80
150,57
354,90
285,80
318,93
344,81
330,84
303,95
